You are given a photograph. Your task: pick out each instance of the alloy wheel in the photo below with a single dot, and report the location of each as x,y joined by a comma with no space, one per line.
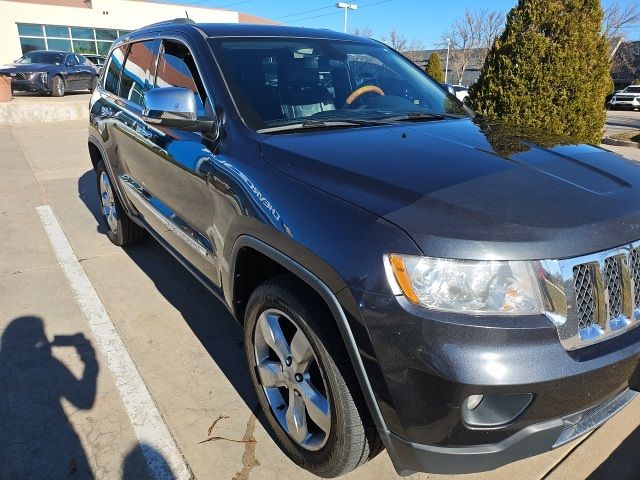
108,203
292,380
59,86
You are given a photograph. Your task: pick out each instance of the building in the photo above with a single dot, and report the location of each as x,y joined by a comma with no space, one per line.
90,26
626,64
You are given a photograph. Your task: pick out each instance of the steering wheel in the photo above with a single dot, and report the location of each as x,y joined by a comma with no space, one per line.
362,90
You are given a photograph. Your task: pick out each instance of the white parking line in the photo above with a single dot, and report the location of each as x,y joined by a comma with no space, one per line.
158,447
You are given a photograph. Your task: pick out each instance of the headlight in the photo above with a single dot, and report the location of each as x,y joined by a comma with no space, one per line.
466,286
43,77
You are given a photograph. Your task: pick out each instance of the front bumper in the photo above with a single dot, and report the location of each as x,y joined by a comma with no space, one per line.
533,440
30,85
625,104
429,363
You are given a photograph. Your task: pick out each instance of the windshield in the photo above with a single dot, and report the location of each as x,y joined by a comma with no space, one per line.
286,81
53,58
632,89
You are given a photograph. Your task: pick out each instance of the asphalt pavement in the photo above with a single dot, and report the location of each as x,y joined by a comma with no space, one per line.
619,121
116,363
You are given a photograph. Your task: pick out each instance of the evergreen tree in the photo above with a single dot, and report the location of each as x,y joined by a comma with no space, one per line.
434,68
548,69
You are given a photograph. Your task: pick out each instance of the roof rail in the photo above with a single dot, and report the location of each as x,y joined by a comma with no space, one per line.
171,22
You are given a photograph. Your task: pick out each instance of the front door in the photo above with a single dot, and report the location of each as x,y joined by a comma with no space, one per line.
168,168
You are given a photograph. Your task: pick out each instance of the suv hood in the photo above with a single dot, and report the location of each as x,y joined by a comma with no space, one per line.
472,188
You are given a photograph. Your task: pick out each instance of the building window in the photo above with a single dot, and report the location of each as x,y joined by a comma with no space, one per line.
67,38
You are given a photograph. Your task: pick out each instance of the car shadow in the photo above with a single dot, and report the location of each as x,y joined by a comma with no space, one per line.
210,321
623,463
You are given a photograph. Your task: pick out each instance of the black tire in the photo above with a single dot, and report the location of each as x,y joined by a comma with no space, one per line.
94,83
126,232
57,86
353,438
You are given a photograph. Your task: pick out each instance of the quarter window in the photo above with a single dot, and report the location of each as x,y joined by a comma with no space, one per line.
136,73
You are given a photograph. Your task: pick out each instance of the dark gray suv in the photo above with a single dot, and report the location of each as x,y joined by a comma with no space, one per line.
408,275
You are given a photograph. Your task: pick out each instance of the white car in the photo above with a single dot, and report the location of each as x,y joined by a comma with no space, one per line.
629,98
459,91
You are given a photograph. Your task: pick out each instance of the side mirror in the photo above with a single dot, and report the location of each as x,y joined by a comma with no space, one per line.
175,107
450,89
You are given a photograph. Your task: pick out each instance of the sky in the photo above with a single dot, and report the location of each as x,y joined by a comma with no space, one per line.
423,20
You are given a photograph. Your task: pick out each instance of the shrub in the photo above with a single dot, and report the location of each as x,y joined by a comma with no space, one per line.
434,68
548,69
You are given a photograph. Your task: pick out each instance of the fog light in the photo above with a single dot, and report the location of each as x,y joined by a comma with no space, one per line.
473,401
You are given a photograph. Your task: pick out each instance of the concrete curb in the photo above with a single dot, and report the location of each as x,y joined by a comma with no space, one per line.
19,112
620,143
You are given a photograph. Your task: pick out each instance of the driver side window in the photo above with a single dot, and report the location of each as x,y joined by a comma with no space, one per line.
177,68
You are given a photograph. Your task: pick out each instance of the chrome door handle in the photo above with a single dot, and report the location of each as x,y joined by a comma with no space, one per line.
106,112
144,131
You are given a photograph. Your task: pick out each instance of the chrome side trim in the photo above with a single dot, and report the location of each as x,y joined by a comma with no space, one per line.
583,422
193,239
556,280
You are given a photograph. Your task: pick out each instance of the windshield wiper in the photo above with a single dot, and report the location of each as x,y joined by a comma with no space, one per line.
311,124
419,116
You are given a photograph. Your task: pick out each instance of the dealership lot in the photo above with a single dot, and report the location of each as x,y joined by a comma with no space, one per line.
72,415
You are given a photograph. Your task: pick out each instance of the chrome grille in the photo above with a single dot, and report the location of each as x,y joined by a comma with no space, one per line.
22,75
592,298
584,283
634,261
613,286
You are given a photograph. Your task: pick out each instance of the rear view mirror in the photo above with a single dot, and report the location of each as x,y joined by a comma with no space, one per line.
174,107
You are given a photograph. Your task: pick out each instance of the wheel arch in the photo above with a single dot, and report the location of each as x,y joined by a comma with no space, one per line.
245,248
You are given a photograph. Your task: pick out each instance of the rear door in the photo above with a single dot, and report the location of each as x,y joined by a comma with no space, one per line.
86,72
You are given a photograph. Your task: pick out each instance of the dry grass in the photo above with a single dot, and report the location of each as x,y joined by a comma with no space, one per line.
630,136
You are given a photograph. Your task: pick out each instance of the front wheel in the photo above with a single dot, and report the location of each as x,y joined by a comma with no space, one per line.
57,88
304,380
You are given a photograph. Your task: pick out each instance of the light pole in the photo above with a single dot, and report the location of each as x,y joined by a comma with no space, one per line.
446,68
346,7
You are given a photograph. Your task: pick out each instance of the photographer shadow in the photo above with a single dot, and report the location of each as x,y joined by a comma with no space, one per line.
37,439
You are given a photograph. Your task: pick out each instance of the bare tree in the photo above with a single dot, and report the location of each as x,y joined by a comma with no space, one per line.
409,48
363,32
471,38
618,18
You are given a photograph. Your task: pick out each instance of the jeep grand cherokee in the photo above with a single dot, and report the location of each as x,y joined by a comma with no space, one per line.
408,275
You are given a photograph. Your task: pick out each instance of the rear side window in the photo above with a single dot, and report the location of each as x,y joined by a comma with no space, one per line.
112,75
176,68
136,74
